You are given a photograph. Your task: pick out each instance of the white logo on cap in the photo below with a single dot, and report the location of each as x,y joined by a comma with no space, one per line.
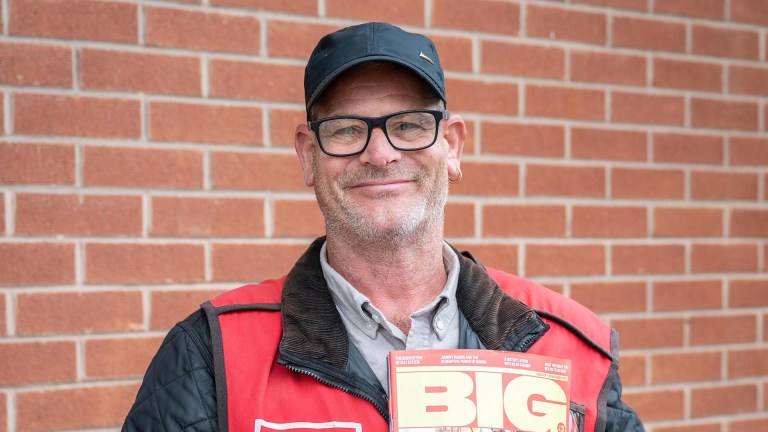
424,56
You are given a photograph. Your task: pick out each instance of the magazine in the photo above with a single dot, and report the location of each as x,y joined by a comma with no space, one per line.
478,391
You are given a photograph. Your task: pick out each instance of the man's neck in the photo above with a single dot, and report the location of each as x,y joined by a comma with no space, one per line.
399,278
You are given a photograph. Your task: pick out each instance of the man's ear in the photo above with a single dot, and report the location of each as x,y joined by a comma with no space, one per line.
454,133
305,149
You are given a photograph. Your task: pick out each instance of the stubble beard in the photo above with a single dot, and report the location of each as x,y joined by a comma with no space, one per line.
389,225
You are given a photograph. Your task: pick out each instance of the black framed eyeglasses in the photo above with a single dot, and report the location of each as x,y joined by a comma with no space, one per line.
405,130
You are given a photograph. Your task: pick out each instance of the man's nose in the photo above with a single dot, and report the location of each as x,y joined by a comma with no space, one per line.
379,151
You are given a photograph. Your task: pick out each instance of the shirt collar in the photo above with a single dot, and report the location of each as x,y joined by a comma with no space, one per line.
360,311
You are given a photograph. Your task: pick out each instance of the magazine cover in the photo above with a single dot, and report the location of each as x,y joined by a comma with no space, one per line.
478,391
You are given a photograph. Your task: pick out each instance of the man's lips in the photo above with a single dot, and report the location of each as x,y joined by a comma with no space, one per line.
381,183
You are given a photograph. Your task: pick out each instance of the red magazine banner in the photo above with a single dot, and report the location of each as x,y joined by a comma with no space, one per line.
455,390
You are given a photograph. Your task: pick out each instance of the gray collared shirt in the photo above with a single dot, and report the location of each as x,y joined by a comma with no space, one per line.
435,326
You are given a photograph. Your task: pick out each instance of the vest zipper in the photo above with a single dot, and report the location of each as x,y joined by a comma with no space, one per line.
384,411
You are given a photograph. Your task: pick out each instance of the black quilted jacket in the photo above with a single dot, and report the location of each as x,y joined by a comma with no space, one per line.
178,392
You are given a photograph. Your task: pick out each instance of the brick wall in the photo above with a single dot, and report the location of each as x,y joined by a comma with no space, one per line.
617,153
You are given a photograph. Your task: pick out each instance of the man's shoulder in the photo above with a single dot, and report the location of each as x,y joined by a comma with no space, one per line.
266,292
554,307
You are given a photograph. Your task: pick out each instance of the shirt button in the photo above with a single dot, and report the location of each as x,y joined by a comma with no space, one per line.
370,324
440,325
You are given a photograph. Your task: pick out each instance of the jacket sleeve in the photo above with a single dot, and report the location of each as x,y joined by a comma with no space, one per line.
178,393
621,418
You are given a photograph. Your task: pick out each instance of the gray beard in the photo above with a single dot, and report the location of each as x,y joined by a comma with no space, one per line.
344,220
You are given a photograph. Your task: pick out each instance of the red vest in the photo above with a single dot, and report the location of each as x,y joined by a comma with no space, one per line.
255,393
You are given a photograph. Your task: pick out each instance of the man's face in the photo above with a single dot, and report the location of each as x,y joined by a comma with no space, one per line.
382,193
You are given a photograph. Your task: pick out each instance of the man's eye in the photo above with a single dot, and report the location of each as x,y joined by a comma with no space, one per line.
348,131
406,126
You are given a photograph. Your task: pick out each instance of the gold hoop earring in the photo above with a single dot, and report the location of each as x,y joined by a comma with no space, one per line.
458,177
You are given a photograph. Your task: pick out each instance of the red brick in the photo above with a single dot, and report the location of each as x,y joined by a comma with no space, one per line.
143,263
297,219
608,68
687,75
748,80
712,401
89,215
748,363
283,124
716,258
76,19
230,170
687,295
550,180
687,148
306,7
723,114
723,329
501,220
500,256
455,52
714,9
713,185
648,34
748,151
632,370
44,114
566,24
523,139
3,323
685,367
621,4
725,42
30,362
522,59
649,332
647,183
142,167
748,293
170,307
657,404
469,144
487,178
294,39
697,427
749,223
253,262
3,413
573,103
751,11
170,121
608,144
687,222
251,80
748,424
647,108
482,96
29,163
611,297
459,220
79,312
139,72
37,263
74,408
397,11
477,16
648,259
207,217
564,260
35,65
598,221
119,357
194,30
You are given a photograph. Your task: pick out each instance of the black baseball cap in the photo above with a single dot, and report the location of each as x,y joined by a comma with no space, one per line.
339,51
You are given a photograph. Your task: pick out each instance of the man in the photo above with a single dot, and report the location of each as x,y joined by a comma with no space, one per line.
308,351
